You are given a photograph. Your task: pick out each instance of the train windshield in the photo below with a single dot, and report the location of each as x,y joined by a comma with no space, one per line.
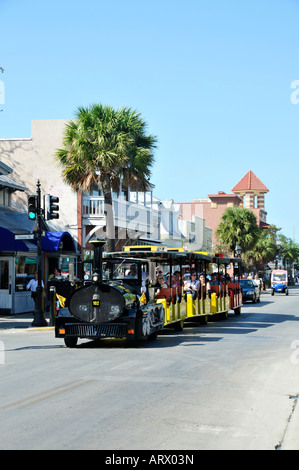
120,270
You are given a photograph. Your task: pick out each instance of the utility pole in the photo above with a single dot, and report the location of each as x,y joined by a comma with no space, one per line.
36,212
39,315
293,265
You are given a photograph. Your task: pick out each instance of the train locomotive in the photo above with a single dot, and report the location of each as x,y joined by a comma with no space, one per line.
114,306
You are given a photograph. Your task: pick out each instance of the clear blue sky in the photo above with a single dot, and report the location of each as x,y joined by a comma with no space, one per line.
211,78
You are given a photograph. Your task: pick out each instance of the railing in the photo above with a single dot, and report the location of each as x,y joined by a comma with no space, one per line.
93,206
126,214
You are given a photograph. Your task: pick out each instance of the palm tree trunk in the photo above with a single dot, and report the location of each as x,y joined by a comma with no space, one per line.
108,210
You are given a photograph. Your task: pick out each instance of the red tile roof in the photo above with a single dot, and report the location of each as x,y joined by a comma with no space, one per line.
250,182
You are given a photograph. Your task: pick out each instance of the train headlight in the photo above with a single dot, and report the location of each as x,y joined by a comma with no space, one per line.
95,277
114,312
82,308
115,309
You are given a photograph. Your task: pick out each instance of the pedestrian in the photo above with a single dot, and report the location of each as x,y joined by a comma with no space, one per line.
32,285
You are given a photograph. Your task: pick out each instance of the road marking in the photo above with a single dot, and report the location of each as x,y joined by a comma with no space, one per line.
38,397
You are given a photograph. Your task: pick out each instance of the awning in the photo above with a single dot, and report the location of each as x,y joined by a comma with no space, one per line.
8,242
51,242
58,241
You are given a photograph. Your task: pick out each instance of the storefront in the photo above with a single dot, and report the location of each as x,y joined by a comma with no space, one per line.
18,264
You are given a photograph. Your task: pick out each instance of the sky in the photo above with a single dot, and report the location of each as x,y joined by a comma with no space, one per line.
216,81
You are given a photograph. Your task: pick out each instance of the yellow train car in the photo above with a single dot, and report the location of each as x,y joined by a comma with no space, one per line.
179,304
136,293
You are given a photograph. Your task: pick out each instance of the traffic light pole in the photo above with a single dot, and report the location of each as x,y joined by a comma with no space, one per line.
39,315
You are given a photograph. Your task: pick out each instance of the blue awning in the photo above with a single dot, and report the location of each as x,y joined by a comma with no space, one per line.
8,242
51,242
58,241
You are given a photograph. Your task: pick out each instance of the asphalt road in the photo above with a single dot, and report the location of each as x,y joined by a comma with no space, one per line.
231,384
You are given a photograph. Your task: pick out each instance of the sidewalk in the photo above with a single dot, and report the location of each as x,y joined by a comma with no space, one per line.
23,320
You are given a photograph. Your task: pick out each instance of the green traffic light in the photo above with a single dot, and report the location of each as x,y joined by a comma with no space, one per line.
32,215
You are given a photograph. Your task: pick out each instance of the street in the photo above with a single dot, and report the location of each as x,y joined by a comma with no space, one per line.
230,384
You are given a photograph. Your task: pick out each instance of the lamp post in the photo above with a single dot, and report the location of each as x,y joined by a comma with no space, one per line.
238,251
237,254
39,316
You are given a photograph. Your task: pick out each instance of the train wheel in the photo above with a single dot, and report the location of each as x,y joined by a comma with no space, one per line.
71,341
223,315
152,336
178,326
203,319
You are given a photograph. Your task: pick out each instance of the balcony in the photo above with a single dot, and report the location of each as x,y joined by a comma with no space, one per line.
127,214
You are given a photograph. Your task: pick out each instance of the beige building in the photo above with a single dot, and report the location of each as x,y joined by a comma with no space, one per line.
32,159
137,215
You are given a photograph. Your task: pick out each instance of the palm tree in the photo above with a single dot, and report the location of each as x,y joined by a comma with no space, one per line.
102,146
288,251
264,250
238,225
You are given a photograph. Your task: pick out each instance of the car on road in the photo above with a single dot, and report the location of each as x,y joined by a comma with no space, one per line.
279,281
250,290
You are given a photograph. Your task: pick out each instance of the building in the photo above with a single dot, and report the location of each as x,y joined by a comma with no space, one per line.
137,215
249,193
252,192
210,209
18,249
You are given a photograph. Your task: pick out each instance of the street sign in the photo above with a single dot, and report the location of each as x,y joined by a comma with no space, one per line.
24,237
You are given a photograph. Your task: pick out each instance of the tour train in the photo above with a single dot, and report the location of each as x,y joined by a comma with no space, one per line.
121,302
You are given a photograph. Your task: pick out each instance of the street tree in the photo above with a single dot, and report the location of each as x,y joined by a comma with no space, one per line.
264,249
238,225
287,250
102,146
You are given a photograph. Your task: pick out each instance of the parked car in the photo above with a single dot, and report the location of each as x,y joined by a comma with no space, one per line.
250,290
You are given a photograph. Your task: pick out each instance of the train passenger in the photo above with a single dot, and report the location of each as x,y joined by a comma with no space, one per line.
176,279
132,274
214,280
204,282
192,285
160,284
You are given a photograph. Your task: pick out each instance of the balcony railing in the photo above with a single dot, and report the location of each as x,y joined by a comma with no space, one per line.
127,214
92,206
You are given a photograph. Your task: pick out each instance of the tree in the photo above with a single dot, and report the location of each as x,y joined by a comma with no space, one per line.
238,225
265,248
287,250
103,145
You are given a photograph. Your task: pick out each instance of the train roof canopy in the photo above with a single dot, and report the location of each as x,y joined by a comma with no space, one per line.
164,254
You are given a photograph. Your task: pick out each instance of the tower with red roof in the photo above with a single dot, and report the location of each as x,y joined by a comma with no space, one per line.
252,191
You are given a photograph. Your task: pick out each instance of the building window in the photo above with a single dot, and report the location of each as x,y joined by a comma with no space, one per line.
5,197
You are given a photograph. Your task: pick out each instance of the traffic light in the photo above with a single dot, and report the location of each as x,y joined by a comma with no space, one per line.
32,207
51,207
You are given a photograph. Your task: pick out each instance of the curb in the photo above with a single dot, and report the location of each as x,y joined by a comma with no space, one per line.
39,328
